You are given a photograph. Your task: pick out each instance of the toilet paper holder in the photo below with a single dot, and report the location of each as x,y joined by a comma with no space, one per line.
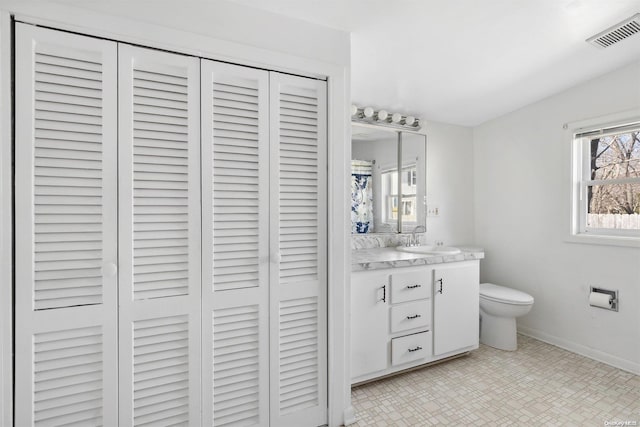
613,297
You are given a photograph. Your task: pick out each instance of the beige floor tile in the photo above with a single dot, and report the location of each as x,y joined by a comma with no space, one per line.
537,385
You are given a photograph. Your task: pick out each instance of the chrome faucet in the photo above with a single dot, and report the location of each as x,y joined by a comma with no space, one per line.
415,240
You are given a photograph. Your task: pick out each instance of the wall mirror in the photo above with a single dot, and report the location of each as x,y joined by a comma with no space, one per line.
388,179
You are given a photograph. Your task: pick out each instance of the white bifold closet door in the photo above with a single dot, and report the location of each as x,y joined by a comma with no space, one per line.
264,248
235,294
159,234
117,321
298,247
66,222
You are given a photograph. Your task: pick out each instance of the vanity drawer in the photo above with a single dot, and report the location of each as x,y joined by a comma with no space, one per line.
411,285
410,347
411,315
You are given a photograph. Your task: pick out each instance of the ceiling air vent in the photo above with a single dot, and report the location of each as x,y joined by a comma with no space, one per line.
617,33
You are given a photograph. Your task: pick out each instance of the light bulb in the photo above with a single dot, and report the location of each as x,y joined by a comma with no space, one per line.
409,121
382,115
368,112
396,117
354,109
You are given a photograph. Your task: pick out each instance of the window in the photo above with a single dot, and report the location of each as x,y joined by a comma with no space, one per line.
409,199
607,180
408,205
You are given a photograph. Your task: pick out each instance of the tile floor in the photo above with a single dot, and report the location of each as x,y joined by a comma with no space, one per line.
537,385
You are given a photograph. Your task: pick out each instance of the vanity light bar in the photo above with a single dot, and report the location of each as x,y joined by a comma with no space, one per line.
384,118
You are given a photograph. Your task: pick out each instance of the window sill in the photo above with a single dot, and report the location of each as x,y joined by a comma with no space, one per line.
591,239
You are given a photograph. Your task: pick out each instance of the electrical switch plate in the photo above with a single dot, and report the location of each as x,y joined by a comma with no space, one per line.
433,211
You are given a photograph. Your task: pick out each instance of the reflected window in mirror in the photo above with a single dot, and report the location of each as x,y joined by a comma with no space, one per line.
408,206
389,197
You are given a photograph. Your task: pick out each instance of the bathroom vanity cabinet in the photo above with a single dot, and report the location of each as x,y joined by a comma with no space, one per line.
455,307
369,314
410,316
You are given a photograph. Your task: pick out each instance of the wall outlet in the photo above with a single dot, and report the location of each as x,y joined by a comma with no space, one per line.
433,211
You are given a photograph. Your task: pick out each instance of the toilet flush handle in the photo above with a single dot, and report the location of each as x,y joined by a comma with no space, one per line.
440,281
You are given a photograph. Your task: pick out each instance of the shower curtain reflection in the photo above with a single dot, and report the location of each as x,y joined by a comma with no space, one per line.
361,196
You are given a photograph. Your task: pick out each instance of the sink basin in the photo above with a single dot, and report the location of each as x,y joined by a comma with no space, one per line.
430,250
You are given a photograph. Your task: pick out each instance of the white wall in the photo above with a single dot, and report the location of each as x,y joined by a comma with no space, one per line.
219,30
228,21
522,191
450,183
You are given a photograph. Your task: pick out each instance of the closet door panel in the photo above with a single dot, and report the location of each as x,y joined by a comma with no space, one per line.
159,196
298,248
66,222
235,186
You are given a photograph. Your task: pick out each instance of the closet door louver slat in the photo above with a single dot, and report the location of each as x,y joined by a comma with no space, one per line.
236,366
235,188
159,197
298,237
66,307
161,371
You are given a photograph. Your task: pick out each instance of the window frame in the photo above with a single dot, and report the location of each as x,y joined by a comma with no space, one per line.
581,180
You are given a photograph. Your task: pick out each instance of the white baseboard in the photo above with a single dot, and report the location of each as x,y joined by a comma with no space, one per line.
617,362
349,416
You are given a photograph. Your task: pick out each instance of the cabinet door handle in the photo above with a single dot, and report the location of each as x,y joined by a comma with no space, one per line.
384,293
414,286
415,316
411,350
441,282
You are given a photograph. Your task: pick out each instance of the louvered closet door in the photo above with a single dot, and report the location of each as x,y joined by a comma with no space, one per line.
159,196
66,224
235,299
298,246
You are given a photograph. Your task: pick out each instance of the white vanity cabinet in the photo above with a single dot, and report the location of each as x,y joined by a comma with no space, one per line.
402,318
455,307
391,317
369,322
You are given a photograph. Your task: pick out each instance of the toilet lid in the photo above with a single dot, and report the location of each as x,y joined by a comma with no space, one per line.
501,293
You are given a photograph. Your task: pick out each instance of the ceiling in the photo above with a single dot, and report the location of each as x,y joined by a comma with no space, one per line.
455,61
467,61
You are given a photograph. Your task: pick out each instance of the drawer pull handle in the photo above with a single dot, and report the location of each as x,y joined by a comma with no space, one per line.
415,316
414,286
411,350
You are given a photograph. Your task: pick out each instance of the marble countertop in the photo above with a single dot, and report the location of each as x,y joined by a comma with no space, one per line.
376,258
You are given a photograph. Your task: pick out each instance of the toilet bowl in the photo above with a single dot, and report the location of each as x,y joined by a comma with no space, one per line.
499,307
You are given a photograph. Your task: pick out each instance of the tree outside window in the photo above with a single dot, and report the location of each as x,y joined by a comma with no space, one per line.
612,181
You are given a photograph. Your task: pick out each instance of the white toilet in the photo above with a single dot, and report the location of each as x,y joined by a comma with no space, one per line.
499,307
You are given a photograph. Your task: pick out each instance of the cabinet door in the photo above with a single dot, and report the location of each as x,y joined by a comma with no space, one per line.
456,308
369,323
298,240
66,229
235,292
159,250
